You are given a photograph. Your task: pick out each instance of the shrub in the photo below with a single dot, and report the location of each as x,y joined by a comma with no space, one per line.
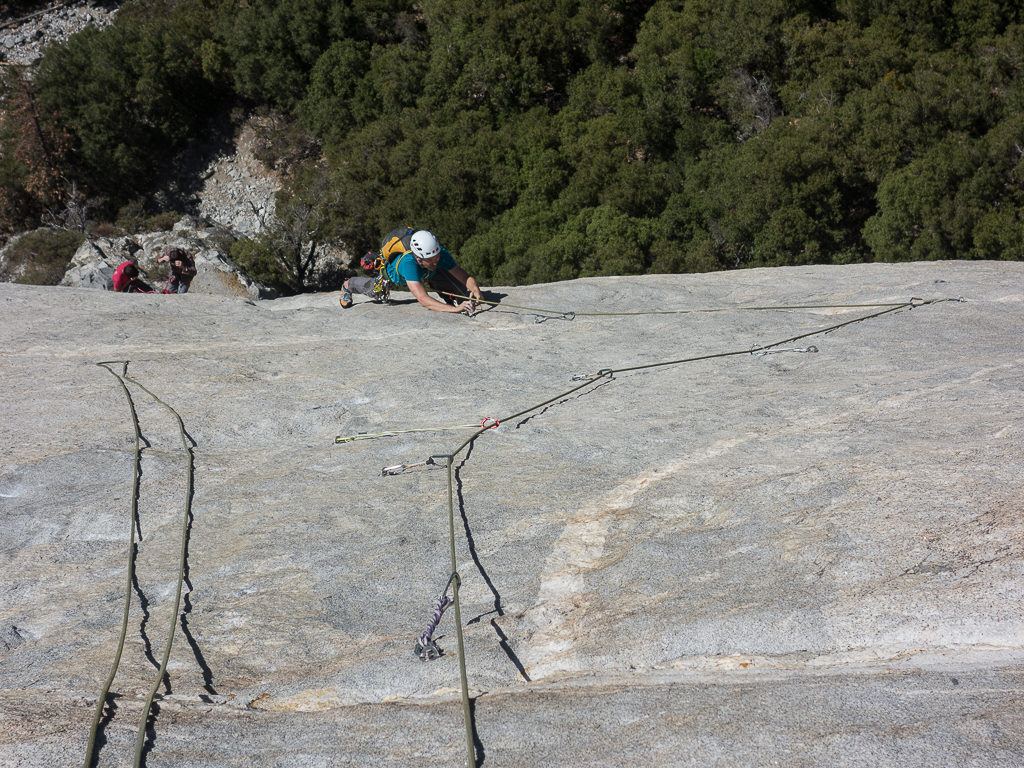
258,259
134,217
40,257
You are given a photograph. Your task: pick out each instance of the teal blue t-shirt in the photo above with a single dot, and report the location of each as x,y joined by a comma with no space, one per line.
406,268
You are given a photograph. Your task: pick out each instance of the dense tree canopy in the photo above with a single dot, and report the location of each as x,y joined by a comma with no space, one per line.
550,140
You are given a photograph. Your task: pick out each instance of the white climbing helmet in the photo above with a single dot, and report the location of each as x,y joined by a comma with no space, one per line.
424,245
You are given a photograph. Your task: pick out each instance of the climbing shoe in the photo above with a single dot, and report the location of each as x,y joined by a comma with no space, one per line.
346,298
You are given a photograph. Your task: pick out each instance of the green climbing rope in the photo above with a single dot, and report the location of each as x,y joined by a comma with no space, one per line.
102,700
456,581
140,738
572,314
893,308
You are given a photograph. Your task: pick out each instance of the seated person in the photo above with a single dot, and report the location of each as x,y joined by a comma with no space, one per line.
126,279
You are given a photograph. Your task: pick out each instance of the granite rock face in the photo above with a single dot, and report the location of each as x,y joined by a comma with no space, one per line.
800,558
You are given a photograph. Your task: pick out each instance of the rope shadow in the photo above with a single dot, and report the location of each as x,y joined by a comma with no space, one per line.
144,444
187,609
147,644
478,746
109,710
147,747
604,382
502,638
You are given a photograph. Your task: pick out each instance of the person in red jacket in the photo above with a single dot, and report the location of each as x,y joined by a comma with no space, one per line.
126,279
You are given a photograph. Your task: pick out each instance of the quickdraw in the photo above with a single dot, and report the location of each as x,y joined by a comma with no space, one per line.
426,648
398,469
597,375
558,316
488,422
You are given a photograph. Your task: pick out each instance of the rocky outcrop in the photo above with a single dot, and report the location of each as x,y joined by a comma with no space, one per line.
97,258
24,36
237,190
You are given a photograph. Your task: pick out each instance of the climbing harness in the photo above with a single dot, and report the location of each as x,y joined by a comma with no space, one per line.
487,423
396,245
426,649
140,738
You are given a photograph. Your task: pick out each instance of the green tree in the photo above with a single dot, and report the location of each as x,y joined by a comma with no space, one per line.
31,166
964,198
550,140
303,223
127,95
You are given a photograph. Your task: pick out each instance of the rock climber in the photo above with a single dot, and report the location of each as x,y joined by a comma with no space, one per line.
415,259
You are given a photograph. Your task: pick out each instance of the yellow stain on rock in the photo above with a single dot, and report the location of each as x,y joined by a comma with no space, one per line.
314,700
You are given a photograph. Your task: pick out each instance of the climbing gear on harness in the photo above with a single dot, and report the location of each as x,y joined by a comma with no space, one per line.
346,298
394,246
